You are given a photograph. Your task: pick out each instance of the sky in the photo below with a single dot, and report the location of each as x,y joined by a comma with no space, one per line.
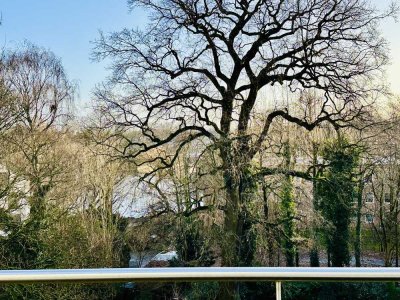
68,28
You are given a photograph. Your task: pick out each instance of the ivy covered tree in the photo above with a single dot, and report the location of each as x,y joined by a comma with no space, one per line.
202,68
288,211
336,191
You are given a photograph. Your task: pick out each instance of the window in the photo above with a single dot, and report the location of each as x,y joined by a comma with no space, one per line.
369,218
369,197
387,197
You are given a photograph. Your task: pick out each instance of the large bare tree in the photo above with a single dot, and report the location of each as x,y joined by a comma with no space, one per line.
203,68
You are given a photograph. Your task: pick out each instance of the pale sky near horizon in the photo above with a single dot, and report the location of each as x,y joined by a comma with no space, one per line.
68,27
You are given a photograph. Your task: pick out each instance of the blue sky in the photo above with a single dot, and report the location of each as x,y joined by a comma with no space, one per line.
68,27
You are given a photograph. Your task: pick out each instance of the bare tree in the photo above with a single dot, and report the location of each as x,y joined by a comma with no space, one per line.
6,110
41,93
203,68
36,81
382,187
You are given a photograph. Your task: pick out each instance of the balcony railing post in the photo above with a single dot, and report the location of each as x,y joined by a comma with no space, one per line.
278,286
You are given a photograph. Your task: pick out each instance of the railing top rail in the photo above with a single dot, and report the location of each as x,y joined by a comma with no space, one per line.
200,274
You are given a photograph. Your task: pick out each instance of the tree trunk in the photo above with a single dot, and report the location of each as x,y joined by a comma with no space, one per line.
270,241
230,245
397,234
239,242
288,211
37,208
396,218
357,243
314,254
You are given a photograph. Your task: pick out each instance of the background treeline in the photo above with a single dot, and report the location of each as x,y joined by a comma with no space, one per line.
237,133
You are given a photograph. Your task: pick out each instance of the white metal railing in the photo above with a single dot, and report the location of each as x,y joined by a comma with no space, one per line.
278,275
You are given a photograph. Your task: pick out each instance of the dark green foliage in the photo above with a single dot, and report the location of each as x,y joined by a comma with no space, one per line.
202,290
65,291
22,247
336,291
247,236
257,290
393,290
288,212
191,244
336,189
247,243
64,244
314,258
153,291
